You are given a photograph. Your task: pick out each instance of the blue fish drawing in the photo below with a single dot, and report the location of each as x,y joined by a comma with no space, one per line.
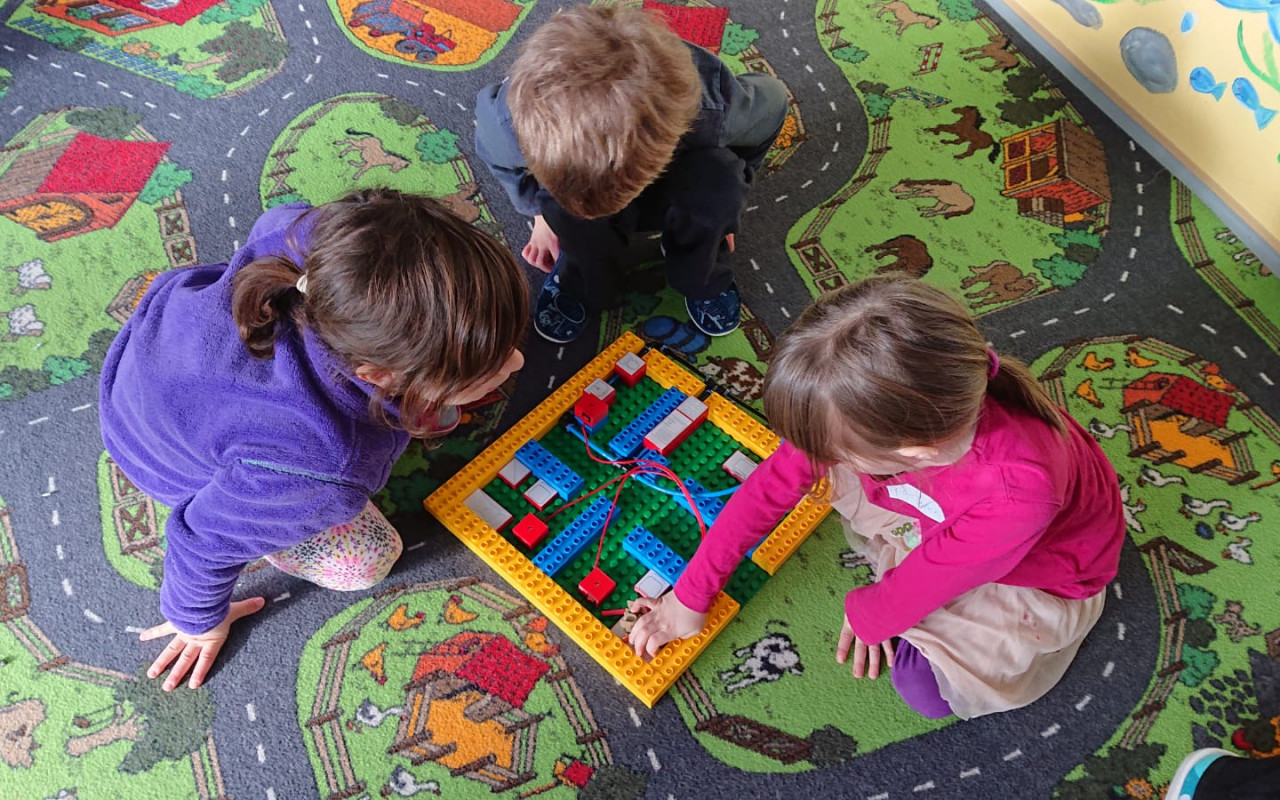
1248,97
1188,21
1202,81
1269,7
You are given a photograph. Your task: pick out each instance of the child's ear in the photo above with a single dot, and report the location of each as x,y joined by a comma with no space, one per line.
377,376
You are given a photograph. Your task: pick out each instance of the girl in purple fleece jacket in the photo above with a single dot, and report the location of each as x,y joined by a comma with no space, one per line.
265,400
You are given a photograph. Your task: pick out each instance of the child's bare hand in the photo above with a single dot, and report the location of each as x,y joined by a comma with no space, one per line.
544,246
667,619
862,654
728,239
195,653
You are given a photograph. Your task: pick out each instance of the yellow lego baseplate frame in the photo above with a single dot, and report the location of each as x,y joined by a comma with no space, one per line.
648,681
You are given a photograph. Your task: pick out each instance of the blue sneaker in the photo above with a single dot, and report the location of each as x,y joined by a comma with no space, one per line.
1185,780
555,318
718,316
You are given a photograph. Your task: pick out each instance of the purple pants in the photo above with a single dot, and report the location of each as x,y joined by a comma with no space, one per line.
915,682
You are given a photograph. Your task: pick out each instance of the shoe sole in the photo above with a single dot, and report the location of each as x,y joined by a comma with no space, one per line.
1184,770
553,339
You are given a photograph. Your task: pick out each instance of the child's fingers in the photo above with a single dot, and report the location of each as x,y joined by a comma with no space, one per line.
167,655
243,608
842,648
873,662
859,660
641,604
207,654
652,647
188,657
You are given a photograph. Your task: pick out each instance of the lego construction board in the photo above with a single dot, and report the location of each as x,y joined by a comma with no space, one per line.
728,429
1199,77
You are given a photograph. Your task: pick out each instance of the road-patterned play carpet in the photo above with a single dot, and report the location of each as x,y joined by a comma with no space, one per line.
146,135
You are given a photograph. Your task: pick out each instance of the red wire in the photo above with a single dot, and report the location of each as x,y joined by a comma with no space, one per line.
604,529
600,488
662,472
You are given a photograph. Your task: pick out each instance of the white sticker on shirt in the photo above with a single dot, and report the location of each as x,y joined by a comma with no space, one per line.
922,502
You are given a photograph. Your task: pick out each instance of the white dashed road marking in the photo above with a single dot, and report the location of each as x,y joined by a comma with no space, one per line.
1011,756
635,718
1051,730
92,617
653,759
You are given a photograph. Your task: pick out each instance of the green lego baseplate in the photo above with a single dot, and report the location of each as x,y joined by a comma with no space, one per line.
699,457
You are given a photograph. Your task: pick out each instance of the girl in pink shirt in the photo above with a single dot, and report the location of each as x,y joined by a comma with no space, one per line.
992,520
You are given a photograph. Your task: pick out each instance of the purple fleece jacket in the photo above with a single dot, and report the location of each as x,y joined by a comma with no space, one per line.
252,455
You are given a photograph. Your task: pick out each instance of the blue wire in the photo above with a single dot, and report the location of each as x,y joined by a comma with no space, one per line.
641,478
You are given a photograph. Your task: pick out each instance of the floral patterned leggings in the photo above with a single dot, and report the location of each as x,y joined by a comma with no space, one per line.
348,557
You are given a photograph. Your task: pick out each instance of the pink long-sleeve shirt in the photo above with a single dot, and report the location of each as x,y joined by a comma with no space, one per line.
1023,507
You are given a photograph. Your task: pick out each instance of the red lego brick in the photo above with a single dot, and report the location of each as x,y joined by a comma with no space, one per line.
630,368
596,586
530,530
590,411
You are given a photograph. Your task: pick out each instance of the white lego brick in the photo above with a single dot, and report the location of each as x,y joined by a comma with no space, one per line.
488,509
739,466
693,408
601,389
651,585
671,428
631,363
540,494
514,473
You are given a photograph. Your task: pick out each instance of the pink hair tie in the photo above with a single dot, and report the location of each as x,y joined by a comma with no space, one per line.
994,368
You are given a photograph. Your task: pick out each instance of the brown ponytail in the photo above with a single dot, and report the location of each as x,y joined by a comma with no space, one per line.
399,282
1014,385
265,295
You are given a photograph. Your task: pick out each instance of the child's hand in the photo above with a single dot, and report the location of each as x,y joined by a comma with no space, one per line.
199,650
862,654
667,619
544,246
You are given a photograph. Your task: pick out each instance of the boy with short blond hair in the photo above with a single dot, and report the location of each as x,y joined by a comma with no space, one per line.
610,124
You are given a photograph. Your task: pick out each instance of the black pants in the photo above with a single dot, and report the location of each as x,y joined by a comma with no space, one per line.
695,203
1240,779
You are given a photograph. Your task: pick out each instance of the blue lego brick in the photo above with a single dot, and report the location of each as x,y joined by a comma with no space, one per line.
574,539
631,438
654,554
752,551
653,458
708,507
547,467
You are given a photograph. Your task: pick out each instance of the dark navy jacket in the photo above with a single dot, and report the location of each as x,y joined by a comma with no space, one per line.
741,113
